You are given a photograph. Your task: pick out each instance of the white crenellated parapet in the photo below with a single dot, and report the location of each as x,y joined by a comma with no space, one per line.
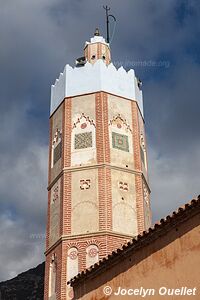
92,78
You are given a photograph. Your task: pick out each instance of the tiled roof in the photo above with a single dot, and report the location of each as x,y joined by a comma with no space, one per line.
159,229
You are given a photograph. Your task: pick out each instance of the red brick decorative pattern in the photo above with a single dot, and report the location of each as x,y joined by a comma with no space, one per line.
99,128
67,132
106,141
105,243
138,167
108,198
103,156
99,47
136,136
49,180
46,277
66,187
102,199
67,203
50,143
48,220
58,254
139,203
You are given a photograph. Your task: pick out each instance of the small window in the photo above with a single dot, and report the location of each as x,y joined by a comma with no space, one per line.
92,255
103,57
52,276
57,153
56,147
93,56
72,263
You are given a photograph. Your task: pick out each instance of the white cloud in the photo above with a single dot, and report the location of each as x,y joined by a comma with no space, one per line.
24,202
174,181
18,251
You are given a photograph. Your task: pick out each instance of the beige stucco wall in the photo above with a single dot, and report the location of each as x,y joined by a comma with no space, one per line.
171,261
56,124
124,203
55,212
142,132
85,206
119,106
147,207
83,105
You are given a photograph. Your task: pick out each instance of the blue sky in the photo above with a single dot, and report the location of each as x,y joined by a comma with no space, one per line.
38,37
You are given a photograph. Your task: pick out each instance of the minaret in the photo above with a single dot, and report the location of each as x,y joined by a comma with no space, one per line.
98,191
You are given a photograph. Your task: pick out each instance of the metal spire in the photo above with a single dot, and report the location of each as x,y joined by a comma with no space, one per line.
107,21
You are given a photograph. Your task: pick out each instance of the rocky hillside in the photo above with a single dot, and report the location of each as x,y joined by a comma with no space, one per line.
28,285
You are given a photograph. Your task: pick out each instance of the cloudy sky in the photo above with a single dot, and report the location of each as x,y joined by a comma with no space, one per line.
159,39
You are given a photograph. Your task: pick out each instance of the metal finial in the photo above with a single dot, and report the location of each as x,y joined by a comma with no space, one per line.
96,33
107,21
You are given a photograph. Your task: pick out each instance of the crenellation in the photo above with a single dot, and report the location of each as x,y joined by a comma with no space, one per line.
94,78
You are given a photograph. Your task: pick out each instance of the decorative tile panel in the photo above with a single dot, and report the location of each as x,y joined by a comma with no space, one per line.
85,184
57,137
57,153
83,140
120,141
120,123
93,252
55,196
55,212
83,121
73,255
123,186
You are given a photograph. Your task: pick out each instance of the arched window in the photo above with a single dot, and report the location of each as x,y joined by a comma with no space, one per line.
92,255
143,151
147,210
52,277
72,263
56,147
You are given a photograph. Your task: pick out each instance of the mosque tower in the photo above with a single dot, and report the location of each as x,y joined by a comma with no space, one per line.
98,191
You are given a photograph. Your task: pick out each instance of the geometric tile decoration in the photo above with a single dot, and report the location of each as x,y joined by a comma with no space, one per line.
73,255
55,194
83,125
120,141
93,252
123,186
120,122
56,147
57,153
85,184
83,140
83,120
57,136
